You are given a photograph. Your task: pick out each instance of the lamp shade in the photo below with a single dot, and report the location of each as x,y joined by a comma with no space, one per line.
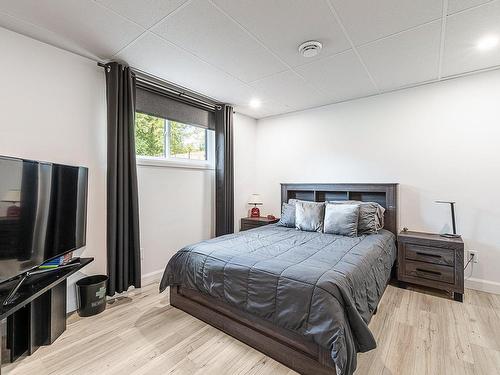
255,199
12,196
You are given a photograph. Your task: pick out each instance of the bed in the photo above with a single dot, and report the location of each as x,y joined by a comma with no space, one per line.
303,298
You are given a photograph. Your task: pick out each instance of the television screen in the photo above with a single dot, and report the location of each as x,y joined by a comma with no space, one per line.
43,213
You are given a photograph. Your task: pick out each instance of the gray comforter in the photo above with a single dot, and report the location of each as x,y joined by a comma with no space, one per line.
322,286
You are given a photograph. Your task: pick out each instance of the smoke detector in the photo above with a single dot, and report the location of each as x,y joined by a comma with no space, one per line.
310,48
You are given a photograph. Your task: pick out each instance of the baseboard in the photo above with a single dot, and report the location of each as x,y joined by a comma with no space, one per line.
151,277
483,285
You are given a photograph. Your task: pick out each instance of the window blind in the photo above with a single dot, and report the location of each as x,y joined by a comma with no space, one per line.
157,102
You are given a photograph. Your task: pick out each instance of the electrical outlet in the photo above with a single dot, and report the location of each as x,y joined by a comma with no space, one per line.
475,254
142,253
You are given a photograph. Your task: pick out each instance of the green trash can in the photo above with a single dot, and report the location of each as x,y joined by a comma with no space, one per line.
91,292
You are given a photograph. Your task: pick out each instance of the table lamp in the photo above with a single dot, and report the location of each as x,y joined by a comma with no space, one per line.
453,222
13,196
256,201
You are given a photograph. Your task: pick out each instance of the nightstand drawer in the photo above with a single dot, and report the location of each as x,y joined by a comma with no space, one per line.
251,222
430,271
434,255
246,226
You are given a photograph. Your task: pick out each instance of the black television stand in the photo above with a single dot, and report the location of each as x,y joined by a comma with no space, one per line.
9,299
33,309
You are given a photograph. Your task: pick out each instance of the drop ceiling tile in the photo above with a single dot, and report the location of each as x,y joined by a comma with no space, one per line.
367,20
463,31
156,56
455,6
203,30
282,25
341,76
404,59
81,25
144,12
288,88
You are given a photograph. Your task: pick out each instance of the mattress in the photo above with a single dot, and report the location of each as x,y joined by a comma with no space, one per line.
322,286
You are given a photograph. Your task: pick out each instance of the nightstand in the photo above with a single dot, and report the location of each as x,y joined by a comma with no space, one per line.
433,261
254,222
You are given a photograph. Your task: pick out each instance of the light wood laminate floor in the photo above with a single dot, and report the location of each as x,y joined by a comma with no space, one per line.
417,333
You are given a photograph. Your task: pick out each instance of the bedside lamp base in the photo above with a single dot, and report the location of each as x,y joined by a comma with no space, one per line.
255,212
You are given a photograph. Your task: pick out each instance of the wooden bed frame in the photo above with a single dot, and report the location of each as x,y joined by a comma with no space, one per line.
287,347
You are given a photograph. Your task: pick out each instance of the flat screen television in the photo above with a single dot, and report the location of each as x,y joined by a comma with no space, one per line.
43,213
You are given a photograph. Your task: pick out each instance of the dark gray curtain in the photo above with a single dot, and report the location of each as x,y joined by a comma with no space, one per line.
224,176
123,247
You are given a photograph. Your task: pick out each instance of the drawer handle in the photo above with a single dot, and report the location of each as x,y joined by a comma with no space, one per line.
429,254
427,271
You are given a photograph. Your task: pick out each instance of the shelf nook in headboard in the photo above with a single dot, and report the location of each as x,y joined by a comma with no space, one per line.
301,195
325,196
384,194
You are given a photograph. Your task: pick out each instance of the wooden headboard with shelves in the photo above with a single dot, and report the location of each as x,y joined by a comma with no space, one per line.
384,194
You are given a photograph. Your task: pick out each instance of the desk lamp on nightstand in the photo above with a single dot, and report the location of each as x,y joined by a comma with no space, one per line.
453,223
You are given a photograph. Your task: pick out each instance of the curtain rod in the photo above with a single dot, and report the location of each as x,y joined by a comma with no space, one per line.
144,78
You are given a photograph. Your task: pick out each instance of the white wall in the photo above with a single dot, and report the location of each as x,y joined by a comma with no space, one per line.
245,133
177,208
439,141
53,108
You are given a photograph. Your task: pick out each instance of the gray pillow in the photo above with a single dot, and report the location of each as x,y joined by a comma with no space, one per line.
309,216
371,216
342,219
287,215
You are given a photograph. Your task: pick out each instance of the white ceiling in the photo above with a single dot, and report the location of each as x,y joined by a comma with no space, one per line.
237,50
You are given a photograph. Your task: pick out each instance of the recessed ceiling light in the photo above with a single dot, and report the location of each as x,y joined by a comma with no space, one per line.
255,103
487,43
310,48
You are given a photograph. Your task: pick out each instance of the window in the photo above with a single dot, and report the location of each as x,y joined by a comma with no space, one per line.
187,141
163,141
